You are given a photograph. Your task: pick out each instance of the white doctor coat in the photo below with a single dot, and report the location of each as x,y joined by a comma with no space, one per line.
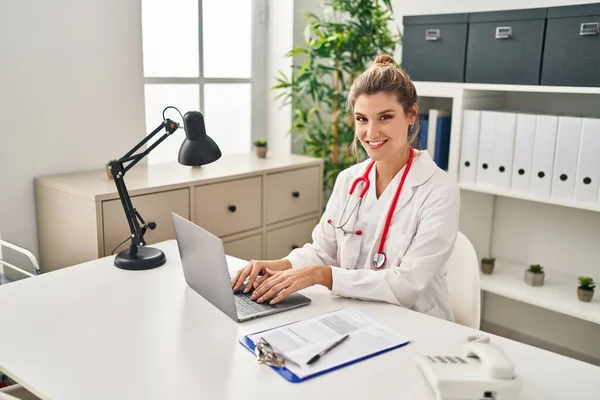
419,242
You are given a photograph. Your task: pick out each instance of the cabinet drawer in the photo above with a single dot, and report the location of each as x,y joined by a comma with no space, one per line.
229,207
249,248
292,193
155,207
283,240
434,47
505,47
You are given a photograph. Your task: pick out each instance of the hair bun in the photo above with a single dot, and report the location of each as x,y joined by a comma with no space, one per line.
384,59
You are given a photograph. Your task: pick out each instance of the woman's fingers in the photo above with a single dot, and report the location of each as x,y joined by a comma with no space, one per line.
273,291
256,268
266,285
283,294
241,275
266,275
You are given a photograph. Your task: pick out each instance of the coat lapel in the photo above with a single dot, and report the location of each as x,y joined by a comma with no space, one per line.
421,170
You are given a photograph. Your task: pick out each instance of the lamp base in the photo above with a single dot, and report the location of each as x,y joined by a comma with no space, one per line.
146,258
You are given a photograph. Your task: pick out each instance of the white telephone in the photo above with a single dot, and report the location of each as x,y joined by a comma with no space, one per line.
484,372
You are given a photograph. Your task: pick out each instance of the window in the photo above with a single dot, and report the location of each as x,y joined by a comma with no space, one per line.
205,55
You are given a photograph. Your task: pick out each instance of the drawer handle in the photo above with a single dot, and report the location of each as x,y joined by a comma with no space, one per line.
589,28
503,32
432,34
295,246
232,208
296,194
152,225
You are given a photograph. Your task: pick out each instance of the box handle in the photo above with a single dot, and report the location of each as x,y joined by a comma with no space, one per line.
503,32
589,28
432,34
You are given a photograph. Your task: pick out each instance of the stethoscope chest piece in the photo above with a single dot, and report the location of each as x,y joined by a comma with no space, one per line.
378,260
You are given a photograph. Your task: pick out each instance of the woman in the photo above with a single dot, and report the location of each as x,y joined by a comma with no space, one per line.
352,253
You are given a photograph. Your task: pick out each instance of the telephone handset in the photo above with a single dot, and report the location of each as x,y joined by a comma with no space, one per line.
482,372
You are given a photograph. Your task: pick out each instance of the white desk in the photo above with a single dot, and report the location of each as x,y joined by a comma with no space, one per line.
96,332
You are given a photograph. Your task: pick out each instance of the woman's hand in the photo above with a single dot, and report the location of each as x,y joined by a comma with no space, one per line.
276,286
253,269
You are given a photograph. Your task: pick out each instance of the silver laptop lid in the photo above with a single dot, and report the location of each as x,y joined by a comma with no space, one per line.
204,264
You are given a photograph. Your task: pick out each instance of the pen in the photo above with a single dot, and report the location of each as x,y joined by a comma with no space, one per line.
327,350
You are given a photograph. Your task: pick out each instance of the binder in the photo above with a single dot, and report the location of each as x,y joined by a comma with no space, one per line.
469,147
522,159
438,136
423,132
587,182
567,151
543,156
487,129
503,150
365,328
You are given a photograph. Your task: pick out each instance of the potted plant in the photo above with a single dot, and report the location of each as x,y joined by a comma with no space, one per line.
107,168
339,44
261,148
487,265
534,276
585,291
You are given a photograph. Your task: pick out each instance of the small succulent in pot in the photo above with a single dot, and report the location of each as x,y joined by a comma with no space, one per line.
487,265
585,291
261,148
534,276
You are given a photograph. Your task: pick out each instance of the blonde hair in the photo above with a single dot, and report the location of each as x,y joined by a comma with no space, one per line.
383,76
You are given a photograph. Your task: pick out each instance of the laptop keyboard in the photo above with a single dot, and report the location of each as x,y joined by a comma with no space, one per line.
245,306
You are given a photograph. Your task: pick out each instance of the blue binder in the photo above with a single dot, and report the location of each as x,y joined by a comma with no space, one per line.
291,376
442,141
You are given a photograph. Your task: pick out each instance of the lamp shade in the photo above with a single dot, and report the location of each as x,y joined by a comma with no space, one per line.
197,148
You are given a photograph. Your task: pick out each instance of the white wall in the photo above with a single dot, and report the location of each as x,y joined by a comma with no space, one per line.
71,96
280,39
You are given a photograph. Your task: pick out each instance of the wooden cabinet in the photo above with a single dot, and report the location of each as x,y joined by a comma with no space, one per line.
258,207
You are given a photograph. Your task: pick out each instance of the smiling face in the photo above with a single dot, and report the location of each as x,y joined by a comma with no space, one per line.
381,125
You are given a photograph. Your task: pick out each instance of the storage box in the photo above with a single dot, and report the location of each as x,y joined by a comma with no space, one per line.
433,47
505,47
572,46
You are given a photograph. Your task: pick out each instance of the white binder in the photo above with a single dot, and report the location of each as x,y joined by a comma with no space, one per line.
487,129
587,183
469,146
567,151
503,150
543,156
523,156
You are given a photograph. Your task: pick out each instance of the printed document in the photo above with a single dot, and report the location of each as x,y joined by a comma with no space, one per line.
300,341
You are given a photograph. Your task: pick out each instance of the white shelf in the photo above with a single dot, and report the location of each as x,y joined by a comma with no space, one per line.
558,294
450,89
504,193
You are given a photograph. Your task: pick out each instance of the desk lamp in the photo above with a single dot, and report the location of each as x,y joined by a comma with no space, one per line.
197,149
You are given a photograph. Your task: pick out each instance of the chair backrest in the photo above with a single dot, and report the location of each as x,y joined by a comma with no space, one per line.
463,283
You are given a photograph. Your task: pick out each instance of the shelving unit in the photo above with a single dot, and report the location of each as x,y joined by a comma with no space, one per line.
558,293
520,196
520,229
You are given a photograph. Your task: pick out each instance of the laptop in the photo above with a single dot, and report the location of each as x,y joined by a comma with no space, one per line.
206,272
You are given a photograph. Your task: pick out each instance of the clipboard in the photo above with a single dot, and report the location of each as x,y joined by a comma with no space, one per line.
291,376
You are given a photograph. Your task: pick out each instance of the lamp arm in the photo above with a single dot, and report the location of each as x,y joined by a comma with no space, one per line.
137,225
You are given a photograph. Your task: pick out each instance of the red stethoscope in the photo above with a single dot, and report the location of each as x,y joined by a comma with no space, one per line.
379,258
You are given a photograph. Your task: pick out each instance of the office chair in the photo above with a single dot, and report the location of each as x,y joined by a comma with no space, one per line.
32,259
463,283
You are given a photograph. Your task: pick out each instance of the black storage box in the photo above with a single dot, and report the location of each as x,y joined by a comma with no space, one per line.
433,47
505,47
572,46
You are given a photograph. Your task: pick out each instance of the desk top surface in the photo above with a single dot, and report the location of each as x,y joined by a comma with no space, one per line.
97,332
95,186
